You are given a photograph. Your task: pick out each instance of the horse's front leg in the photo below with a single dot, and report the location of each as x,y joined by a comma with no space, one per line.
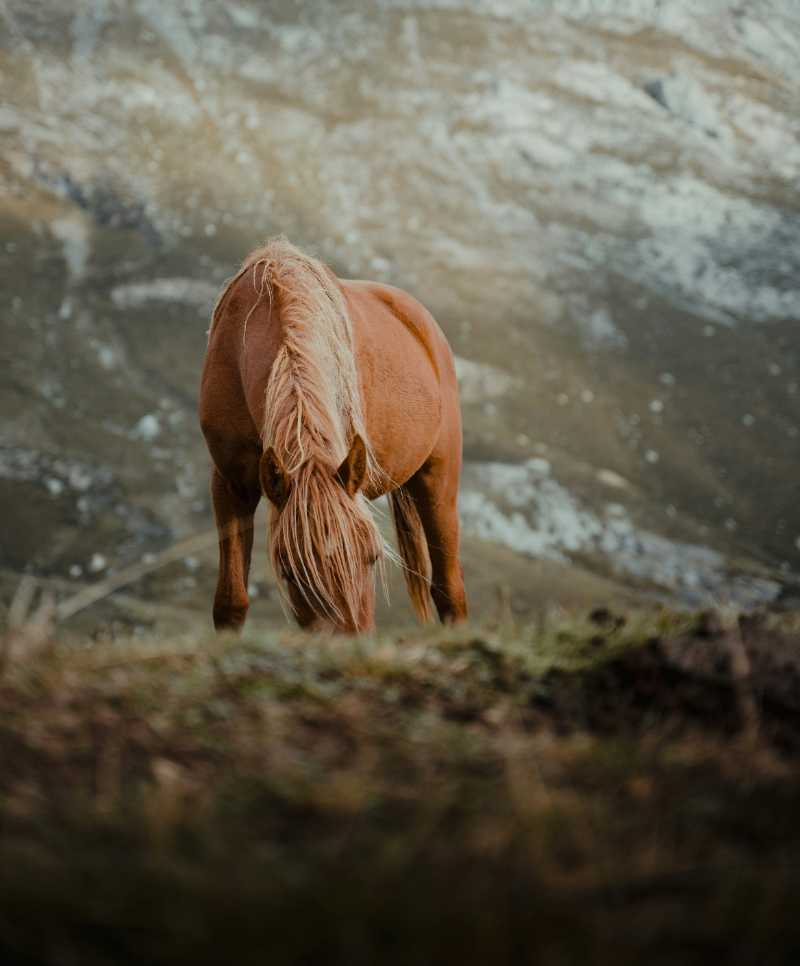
234,511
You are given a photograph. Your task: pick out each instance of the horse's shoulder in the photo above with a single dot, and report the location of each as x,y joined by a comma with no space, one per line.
390,294
403,306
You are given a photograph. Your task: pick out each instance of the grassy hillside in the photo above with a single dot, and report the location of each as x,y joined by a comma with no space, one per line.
613,789
598,202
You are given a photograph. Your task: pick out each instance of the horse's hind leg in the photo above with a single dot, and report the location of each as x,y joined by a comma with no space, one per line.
434,488
234,509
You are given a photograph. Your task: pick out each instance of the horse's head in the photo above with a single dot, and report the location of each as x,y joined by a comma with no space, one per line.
324,543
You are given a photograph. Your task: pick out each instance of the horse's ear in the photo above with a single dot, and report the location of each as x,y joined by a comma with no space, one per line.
353,471
273,478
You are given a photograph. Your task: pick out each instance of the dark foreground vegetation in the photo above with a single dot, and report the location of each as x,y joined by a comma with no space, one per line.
613,790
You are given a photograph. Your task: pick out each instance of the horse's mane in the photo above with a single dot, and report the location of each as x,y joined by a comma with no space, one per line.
313,411
314,406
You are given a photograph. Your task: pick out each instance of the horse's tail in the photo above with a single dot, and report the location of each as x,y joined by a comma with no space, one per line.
414,552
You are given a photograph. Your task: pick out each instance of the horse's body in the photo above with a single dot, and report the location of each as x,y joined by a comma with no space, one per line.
315,391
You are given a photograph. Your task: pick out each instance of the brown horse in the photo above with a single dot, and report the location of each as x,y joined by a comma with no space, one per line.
325,393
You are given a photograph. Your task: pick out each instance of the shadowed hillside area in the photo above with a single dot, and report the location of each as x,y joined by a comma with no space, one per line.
599,202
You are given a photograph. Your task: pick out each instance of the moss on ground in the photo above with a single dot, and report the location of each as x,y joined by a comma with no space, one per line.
607,789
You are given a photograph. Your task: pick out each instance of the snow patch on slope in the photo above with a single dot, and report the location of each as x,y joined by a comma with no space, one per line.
188,290
478,381
523,507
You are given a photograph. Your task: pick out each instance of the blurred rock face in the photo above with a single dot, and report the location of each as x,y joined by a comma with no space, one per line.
599,201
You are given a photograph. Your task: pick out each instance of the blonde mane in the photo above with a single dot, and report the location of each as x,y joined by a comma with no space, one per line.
322,537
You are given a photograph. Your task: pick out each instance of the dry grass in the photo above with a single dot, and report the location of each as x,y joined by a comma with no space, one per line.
575,791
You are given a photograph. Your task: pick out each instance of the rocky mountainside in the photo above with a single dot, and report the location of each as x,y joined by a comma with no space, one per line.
600,202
